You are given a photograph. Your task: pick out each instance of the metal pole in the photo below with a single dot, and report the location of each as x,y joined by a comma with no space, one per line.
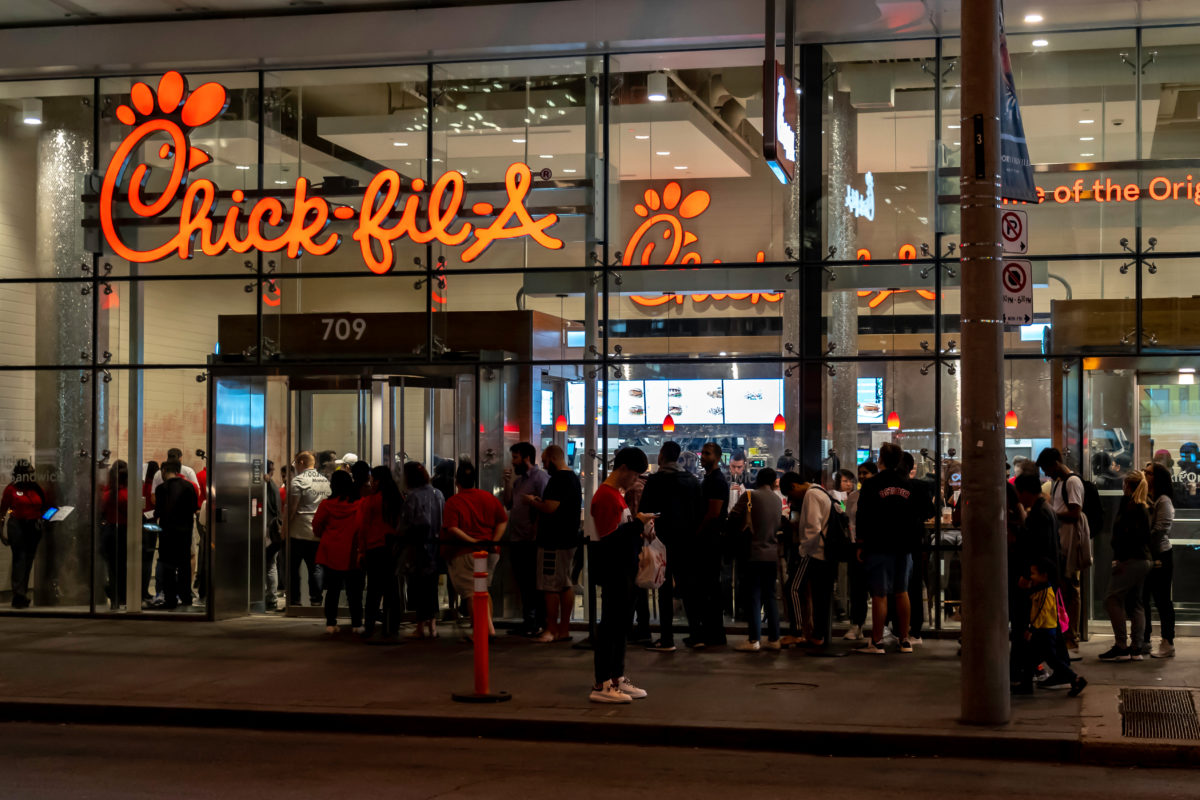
985,684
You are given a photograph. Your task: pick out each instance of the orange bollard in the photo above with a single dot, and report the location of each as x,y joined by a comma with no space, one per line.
479,638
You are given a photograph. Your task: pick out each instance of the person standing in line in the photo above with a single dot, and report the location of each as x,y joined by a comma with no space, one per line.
674,495
793,488
185,472
305,494
114,505
420,529
360,472
380,517
707,552
856,574
21,509
1131,563
734,579
814,573
472,520
1075,540
274,540
559,510
639,630
175,507
764,510
922,500
522,480
1158,582
884,510
337,526
618,536
149,538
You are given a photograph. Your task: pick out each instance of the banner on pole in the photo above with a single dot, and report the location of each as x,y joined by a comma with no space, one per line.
1016,171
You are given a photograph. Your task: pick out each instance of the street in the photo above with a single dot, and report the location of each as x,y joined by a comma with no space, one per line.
126,763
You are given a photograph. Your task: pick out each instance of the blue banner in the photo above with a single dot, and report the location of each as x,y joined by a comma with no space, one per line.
1015,168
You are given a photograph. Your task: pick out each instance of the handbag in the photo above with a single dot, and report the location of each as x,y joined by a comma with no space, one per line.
1064,621
652,565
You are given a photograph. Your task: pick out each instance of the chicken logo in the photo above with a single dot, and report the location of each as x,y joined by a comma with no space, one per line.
663,220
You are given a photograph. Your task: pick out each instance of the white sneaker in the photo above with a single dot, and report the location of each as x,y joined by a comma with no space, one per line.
888,637
854,634
749,647
331,629
627,688
870,648
775,645
1164,650
609,695
915,640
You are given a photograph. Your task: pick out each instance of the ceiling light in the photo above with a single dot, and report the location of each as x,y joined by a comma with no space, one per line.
1086,155
281,183
545,155
1183,370
1033,19
570,171
662,152
1040,43
956,144
642,136
399,144
954,127
1086,121
656,87
242,166
1087,138
31,111
680,167
518,141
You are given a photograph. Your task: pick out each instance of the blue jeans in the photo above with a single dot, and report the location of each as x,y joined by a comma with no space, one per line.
761,575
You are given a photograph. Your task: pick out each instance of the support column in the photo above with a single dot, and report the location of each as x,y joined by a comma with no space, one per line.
985,677
63,405
841,232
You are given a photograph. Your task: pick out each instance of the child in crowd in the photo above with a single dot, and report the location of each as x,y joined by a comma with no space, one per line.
1041,637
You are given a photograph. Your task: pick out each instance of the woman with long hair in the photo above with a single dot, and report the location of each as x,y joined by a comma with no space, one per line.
420,528
379,514
339,554
21,510
1131,563
1158,582
149,537
114,509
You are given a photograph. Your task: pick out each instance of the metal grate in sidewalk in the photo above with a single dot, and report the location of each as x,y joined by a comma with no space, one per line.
1158,714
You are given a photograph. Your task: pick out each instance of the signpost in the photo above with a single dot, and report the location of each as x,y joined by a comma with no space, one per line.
1014,228
1016,279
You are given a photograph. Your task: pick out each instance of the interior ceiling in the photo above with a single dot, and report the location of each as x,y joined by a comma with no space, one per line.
815,18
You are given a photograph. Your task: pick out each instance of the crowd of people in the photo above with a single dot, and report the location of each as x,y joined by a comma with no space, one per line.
782,534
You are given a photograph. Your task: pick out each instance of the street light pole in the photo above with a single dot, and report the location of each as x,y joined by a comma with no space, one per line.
985,674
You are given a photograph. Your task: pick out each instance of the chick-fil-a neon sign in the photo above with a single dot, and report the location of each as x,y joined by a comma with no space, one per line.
268,226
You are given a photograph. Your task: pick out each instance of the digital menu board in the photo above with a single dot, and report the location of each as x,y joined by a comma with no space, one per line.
547,407
753,401
630,399
576,404
696,402
870,401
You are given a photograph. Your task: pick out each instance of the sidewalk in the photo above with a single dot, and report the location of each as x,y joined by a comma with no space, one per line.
285,674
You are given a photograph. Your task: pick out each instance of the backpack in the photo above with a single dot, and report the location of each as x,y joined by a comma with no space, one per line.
1092,508
838,546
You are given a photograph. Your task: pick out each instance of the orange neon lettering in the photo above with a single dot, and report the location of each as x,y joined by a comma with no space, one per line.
1159,180
174,112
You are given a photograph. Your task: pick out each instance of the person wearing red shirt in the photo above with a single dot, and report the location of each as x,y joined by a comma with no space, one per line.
380,515
617,536
471,520
22,531
339,554
114,508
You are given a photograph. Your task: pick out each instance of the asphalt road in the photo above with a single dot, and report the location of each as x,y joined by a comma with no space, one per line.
69,761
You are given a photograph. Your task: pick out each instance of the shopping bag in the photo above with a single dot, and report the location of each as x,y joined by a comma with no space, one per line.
1064,622
652,565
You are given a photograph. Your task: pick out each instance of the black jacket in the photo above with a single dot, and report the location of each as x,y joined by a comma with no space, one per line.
1131,532
887,513
675,494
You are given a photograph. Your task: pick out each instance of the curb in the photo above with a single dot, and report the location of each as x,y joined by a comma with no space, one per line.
881,743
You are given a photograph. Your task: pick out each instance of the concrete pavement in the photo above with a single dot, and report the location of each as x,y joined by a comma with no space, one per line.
284,674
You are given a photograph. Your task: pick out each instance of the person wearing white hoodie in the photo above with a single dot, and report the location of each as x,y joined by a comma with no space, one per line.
813,572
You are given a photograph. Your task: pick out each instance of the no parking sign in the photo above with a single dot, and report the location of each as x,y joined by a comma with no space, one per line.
1016,281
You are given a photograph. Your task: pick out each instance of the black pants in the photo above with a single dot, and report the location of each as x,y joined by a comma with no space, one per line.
24,535
666,600
114,546
174,553
614,569
640,599
149,545
818,575
1046,645
303,550
705,617
523,557
423,594
1158,589
382,587
335,580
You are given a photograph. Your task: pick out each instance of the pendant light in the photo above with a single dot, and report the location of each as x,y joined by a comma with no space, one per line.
1010,419
780,424
560,422
668,424
893,421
